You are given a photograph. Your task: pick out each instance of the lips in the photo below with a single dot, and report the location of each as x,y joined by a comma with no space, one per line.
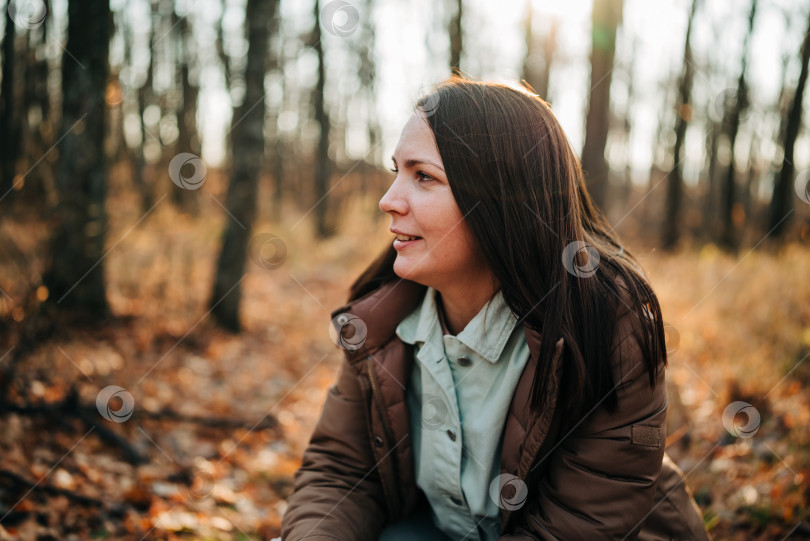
404,240
403,236
407,237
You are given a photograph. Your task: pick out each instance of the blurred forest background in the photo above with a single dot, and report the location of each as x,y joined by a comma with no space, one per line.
187,189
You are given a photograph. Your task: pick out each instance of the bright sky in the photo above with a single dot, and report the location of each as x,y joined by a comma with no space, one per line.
412,53
653,34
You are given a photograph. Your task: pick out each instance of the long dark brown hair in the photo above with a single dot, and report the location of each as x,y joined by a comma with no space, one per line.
520,186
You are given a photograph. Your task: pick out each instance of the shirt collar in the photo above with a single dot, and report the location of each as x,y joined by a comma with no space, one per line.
486,334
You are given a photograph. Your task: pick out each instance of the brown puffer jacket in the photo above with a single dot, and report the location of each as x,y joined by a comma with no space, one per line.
608,479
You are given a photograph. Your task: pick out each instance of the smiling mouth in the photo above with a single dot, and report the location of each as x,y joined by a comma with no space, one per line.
405,238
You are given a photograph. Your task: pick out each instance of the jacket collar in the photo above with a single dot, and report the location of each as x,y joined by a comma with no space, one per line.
486,333
382,309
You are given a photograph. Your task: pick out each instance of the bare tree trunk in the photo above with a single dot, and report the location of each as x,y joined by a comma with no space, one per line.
247,136
75,279
368,81
277,64
225,61
627,186
539,77
549,50
323,165
47,125
728,238
782,198
188,140
456,45
145,92
529,70
278,175
672,225
39,183
709,214
607,15
9,113
751,177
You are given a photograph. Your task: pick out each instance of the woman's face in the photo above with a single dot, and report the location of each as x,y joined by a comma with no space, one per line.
422,206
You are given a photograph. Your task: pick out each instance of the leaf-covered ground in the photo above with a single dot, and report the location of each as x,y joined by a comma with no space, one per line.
221,420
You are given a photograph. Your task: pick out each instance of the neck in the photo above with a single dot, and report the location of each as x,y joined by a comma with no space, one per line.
461,305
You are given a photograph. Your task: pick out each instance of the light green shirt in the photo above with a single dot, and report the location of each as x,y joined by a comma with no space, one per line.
460,390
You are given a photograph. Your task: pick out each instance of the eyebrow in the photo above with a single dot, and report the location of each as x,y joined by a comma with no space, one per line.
412,162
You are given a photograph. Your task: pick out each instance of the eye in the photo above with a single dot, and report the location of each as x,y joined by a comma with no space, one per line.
424,177
395,170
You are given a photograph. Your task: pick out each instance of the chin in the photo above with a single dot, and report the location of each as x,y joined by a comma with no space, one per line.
401,270
405,271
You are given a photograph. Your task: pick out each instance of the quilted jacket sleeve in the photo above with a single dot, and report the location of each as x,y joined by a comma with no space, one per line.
337,491
601,480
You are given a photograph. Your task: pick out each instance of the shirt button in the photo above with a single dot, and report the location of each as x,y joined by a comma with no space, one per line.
451,434
378,441
464,361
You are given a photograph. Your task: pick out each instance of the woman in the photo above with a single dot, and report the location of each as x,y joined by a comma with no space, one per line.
453,416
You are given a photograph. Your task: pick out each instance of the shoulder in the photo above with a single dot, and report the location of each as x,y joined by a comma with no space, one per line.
636,348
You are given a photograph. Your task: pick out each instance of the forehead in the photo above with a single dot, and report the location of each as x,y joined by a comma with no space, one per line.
416,139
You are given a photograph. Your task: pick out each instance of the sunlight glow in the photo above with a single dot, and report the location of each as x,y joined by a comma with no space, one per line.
570,11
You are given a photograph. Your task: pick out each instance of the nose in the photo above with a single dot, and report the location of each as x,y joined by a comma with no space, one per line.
393,200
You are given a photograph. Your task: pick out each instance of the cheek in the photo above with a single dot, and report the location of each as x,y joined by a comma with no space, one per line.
438,215
449,239
456,247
